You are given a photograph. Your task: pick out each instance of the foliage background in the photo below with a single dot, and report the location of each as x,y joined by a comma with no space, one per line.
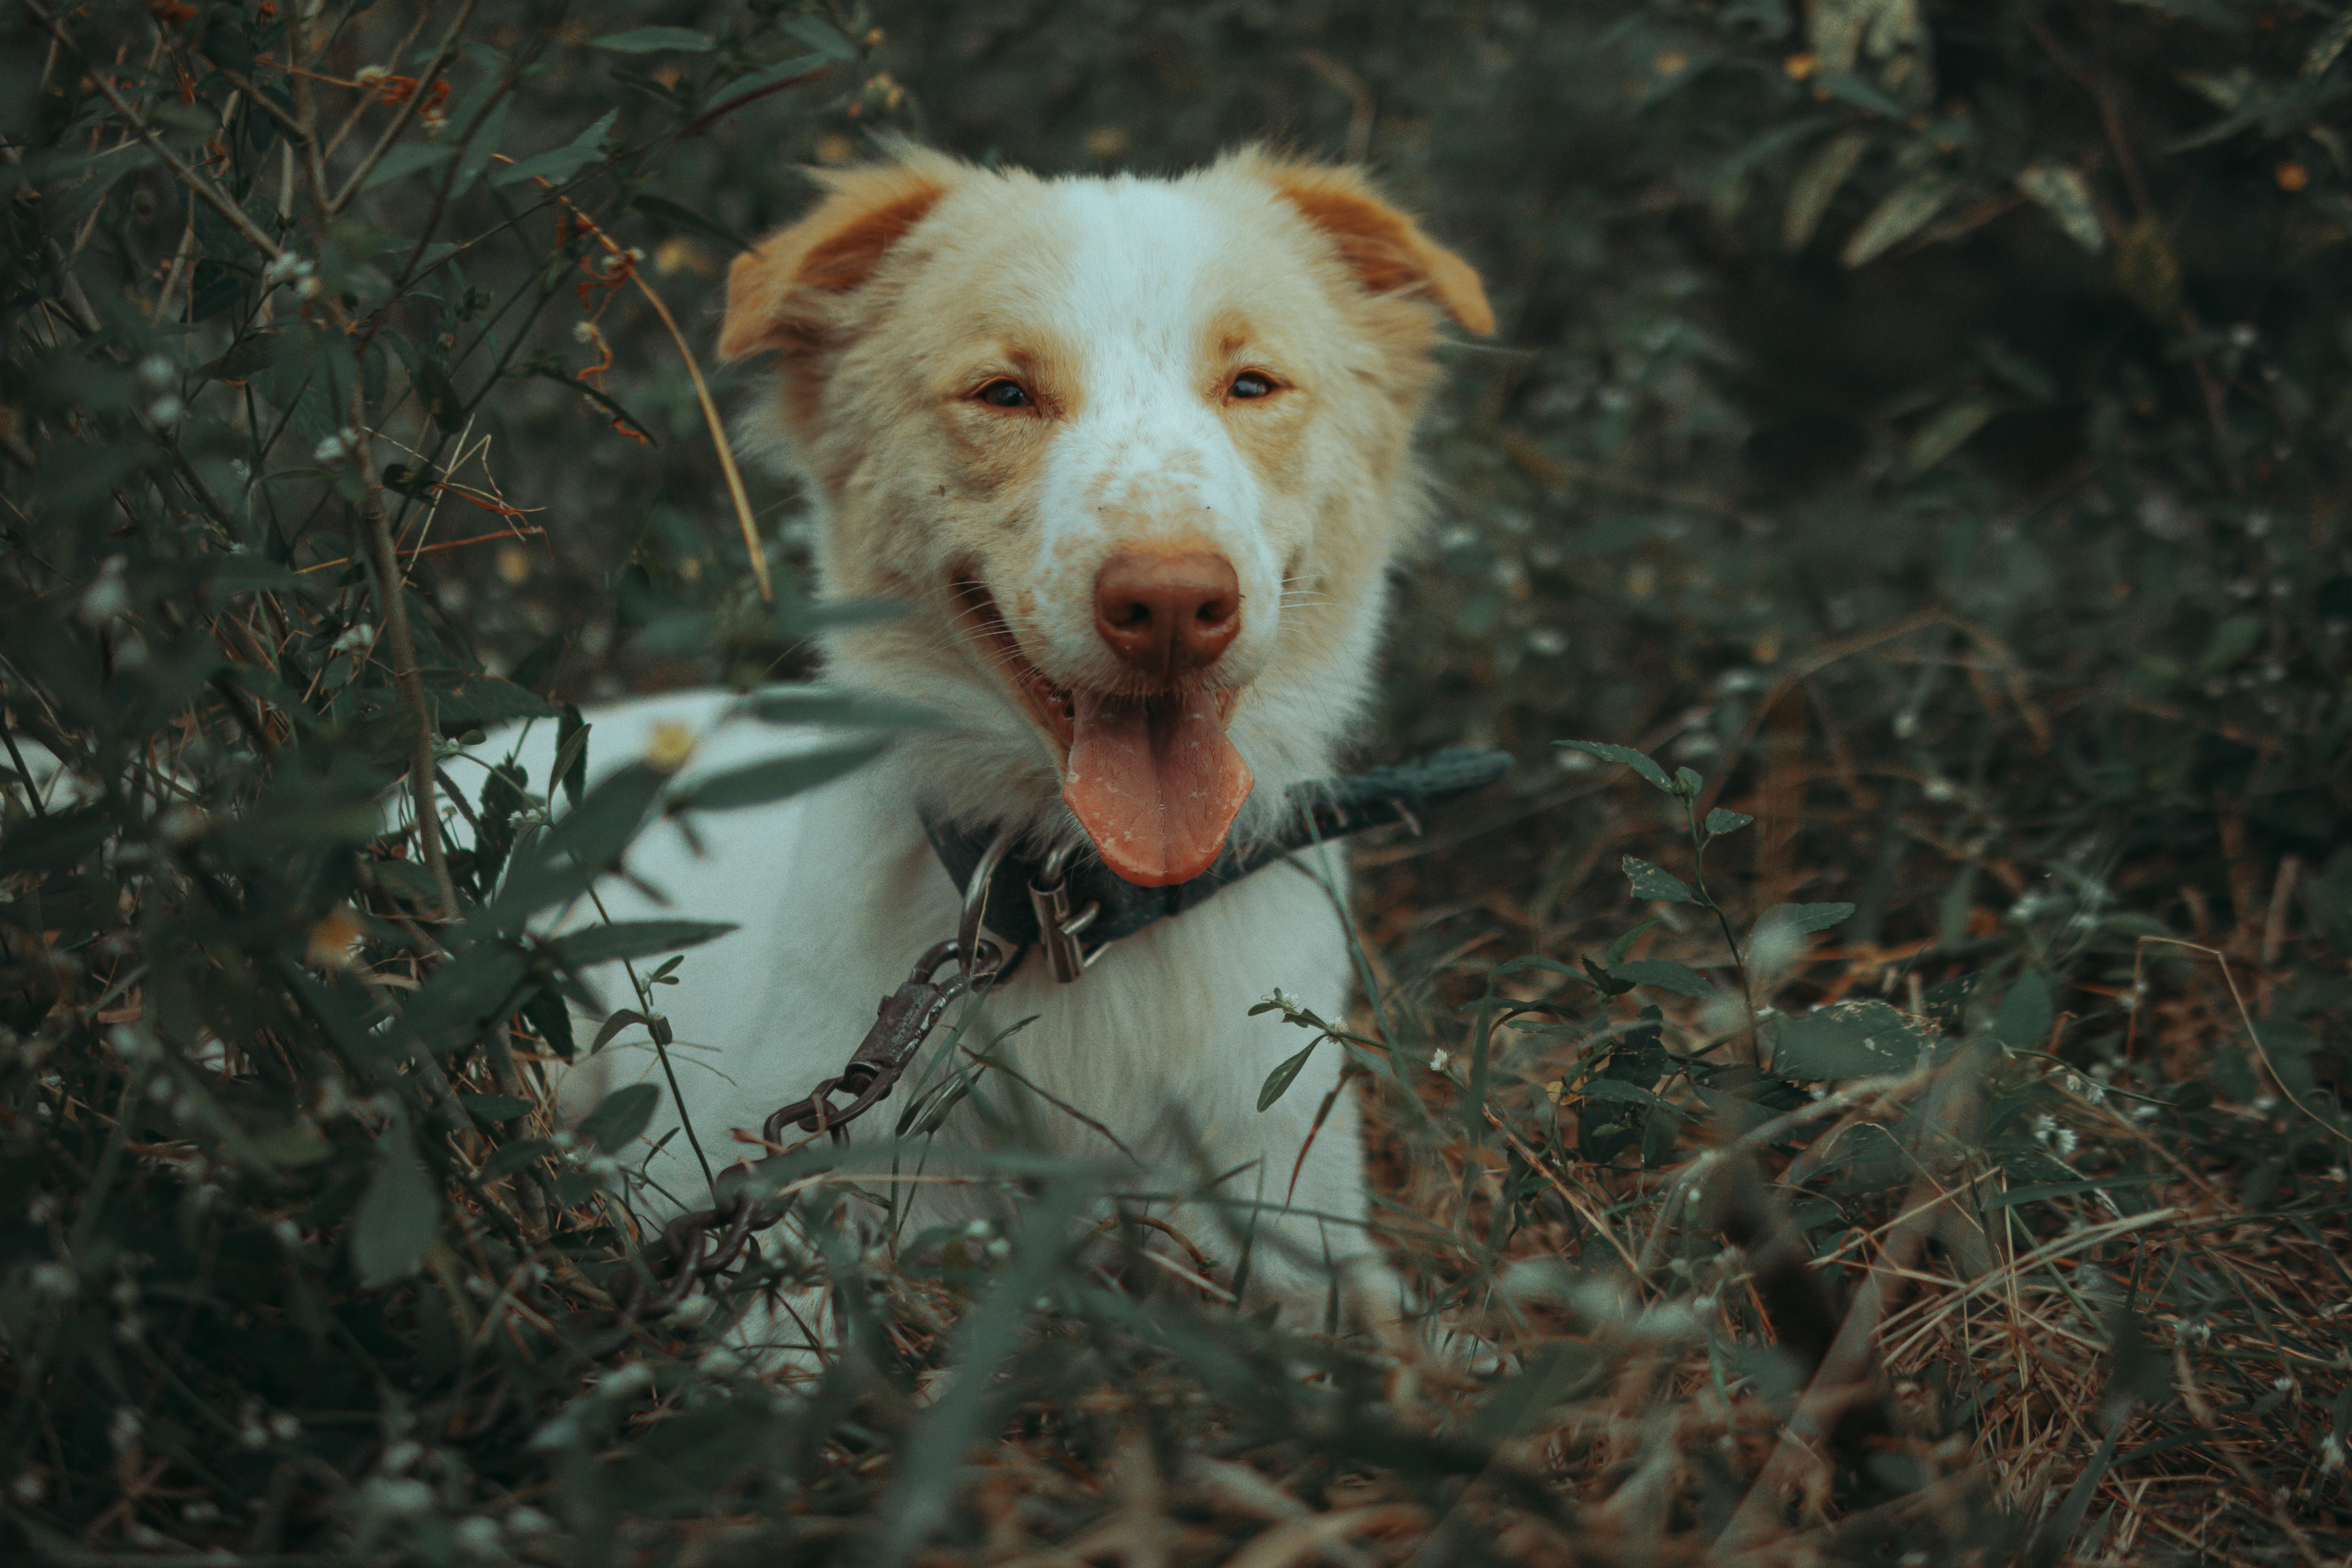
1925,422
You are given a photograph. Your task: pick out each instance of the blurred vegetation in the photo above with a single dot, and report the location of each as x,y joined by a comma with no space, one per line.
1915,455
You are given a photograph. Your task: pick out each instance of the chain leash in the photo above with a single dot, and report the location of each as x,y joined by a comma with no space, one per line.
704,1243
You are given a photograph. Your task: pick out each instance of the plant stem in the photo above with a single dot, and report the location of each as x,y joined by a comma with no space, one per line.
421,767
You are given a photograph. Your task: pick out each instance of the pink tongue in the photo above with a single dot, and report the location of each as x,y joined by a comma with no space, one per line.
1155,785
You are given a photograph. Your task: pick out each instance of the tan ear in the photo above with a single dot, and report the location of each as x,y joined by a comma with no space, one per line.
1384,248
775,294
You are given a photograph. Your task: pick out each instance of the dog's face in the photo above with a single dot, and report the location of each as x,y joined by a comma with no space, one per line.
1139,453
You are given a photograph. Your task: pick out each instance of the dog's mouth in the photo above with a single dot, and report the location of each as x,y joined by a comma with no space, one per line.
1150,775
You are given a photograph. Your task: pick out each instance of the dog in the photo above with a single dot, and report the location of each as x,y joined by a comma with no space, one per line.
1135,456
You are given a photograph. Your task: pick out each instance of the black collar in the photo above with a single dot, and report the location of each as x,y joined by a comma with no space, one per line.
1317,811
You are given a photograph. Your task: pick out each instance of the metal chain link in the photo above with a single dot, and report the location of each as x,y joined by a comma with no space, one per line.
902,1023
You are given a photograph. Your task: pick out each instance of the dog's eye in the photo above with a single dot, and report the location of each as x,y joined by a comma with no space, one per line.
1003,393
1250,383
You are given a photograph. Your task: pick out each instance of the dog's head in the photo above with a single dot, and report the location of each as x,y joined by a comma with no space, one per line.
1139,453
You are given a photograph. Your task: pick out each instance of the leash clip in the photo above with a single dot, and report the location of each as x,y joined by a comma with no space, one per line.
1058,930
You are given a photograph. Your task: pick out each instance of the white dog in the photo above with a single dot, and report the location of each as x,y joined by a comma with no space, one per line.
1139,454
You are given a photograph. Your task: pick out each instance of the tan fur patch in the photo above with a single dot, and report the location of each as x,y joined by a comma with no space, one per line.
1385,249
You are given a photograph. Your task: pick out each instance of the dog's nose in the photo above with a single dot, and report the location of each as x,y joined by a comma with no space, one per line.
1167,614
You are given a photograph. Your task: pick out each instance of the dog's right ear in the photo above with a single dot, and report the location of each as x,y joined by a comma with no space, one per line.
779,295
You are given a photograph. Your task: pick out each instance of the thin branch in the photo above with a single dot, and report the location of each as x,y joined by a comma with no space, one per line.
393,601
187,176
407,110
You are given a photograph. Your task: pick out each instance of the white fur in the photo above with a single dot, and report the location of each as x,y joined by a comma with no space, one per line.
837,892
1131,304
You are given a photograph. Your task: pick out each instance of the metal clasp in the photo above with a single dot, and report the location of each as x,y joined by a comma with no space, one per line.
1058,930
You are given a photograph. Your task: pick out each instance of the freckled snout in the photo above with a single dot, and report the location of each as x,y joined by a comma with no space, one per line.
1168,614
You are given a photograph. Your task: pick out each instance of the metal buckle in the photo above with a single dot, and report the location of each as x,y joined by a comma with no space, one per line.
1058,928
975,908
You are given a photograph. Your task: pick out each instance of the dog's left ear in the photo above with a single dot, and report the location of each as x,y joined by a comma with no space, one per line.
784,294
1384,248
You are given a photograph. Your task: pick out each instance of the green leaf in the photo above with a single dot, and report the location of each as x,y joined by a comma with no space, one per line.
1625,945
620,1117
2066,196
399,1214
785,69
56,843
1947,432
1802,919
677,215
492,1109
1687,784
1666,975
839,709
2232,640
570,769
1905,212
1721,822
1629,1094
1846,87
515,1156
559,164
778,778
2211,13
469,699
584,844
406,159
2026,1013
652,40
635,939
1650,882
2327,47
1847,1039
1278,1081
822,36
1817,184
1632,759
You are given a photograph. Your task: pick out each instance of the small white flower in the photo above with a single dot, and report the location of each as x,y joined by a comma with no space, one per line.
122,1430
28,1486
1000,1250
478,1537
44,1208
528,1522
155,371
56,1279
284,1428
371,76
1438,1058
165,411
979,1230
2331,1452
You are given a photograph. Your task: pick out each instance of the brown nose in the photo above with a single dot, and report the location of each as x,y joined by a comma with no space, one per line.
1167,614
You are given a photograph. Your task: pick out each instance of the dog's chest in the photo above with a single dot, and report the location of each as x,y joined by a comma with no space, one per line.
836,892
